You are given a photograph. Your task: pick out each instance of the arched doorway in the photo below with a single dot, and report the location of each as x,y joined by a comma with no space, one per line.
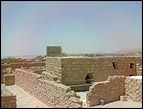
89,78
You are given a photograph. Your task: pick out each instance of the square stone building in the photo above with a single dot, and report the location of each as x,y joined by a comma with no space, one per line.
84,70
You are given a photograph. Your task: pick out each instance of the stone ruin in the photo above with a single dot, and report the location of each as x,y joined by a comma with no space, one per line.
54,51
56,86
37,67
115,88
8,100
81,71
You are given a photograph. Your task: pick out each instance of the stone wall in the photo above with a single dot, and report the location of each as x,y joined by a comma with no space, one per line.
53,69
5,71
9,79
133,88
138,59
74,70
109,90
48,92
139,65
8,100
24,64
33,64
5,67
139,68
54,50
80,87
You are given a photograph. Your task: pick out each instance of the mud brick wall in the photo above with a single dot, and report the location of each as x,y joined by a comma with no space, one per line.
8,100
75,69
109,90
133,89
9,79
48,92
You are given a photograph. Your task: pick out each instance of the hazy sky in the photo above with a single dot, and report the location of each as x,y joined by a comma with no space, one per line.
79,27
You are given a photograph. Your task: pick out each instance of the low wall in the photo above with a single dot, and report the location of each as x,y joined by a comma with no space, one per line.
8,100
80,87
50,93
9,79
109,90
133,88
13,66
4,72
24,64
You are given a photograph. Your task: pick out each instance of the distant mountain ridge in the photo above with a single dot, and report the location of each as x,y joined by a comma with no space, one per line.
131,51
128,52
22,56
26,56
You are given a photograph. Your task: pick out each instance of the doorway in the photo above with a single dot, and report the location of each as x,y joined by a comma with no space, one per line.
89,78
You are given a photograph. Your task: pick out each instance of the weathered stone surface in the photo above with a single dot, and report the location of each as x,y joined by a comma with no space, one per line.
73,70
139,68
8,100
123,98
50,93
109,90
54,50
53,69
133,89
9,79
9,70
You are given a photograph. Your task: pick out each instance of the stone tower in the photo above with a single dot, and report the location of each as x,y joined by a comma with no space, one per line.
54,50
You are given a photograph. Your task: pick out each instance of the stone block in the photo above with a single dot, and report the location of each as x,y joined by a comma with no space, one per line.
123,98
9,79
